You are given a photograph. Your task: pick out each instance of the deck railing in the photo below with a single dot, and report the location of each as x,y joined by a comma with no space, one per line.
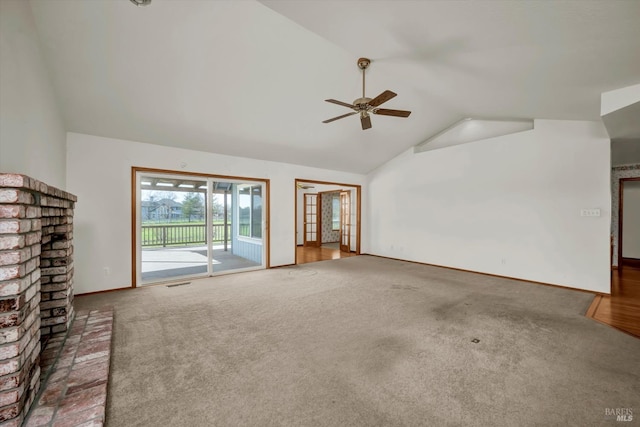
181,235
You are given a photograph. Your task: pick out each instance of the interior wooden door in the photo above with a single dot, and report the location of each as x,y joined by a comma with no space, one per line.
311,232
345,221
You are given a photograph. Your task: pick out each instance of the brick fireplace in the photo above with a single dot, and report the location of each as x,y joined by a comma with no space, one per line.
36,284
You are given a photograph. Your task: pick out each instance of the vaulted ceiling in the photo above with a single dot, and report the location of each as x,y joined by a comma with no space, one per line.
248,78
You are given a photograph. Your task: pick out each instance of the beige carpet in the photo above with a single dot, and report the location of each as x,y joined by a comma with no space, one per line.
364,341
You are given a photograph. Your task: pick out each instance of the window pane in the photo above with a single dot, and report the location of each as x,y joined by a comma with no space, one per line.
172,212
335,213
244,211
256,213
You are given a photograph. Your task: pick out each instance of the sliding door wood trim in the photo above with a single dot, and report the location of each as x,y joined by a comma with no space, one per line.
134,230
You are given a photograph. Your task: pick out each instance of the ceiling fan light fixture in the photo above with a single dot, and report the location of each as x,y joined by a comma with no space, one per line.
141,2
365,105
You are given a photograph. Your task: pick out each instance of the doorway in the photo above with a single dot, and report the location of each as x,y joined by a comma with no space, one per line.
327,220
629,223
194,225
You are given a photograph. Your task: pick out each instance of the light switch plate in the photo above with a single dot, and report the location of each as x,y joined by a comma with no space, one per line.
590,212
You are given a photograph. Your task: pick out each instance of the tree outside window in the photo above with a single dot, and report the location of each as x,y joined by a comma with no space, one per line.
193,207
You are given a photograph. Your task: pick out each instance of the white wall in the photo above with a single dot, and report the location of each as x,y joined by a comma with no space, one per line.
618,98
507,206
625,152
631,220
99,173
32,133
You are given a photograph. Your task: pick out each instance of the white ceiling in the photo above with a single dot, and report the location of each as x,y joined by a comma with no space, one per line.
249,78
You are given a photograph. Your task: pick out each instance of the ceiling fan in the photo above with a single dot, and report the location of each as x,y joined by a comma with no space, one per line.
364,106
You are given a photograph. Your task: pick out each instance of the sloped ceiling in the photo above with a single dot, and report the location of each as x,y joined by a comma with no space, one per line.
249,78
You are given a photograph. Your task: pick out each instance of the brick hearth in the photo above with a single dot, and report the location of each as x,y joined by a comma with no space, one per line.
36,284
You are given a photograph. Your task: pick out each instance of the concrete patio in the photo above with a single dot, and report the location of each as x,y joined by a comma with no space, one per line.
160,264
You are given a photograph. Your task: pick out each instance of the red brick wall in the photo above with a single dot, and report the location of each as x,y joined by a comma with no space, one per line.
36,284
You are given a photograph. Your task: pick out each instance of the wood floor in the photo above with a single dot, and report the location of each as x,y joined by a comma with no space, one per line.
307,254
622,309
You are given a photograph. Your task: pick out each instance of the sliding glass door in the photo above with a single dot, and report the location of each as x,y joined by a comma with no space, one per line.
190,226
238,222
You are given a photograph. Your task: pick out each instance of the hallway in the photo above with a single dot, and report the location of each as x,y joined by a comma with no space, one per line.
622,309
324,253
